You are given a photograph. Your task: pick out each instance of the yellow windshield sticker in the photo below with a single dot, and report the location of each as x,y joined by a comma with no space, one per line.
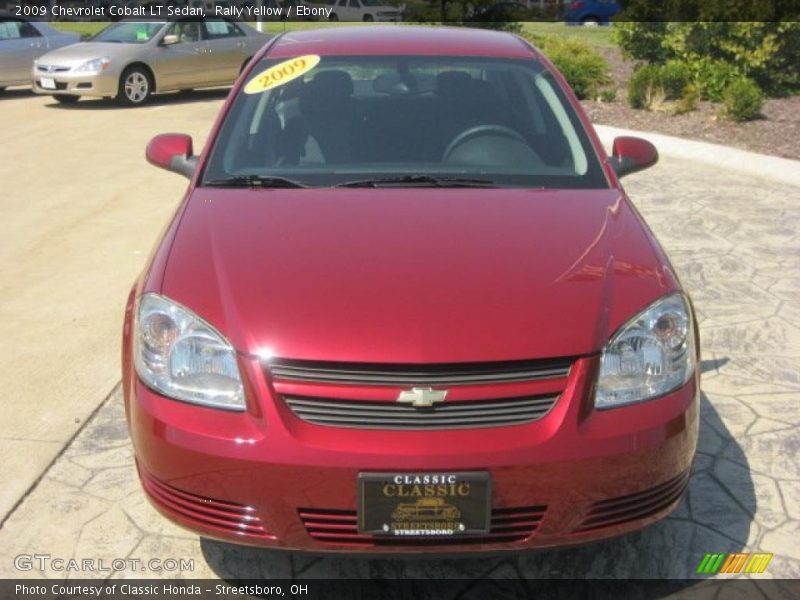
281,73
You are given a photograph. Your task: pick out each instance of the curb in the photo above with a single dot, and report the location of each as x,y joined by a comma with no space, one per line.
783,170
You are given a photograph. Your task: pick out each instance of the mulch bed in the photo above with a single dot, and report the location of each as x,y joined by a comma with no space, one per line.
776,133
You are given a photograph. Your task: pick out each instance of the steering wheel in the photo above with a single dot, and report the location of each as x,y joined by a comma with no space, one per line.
482,130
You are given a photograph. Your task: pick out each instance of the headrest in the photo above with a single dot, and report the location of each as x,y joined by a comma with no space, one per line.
452,82
336,84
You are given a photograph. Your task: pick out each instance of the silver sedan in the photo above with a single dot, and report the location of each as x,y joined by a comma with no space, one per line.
131,60
22,41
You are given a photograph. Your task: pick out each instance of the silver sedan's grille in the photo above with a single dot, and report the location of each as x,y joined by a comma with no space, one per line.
52,69
419,375
449,415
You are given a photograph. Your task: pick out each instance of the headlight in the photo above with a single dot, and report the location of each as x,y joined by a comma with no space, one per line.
651,355
93,66
181,356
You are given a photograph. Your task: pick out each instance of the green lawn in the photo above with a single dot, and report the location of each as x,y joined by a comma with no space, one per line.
594,36
599,37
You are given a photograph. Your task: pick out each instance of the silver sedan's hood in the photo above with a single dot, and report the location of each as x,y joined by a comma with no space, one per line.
77,54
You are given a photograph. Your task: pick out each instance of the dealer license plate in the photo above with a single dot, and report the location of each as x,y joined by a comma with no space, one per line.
424,504
48,83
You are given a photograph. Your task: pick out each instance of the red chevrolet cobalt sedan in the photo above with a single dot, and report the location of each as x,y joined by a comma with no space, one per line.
406,306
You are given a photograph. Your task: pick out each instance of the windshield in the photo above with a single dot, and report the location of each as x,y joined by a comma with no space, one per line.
129,32
402,120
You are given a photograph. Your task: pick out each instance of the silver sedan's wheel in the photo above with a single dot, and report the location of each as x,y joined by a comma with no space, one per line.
135,87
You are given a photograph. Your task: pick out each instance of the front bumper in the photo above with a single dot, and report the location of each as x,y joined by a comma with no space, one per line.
264,477
102,84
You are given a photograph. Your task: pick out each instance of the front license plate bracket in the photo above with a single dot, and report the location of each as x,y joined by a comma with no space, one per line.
424,504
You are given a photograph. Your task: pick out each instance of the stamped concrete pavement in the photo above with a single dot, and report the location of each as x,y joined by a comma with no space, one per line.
734,241
79,212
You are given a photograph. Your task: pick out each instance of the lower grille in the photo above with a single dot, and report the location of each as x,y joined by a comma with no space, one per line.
217,514
448,415
340,527
619,510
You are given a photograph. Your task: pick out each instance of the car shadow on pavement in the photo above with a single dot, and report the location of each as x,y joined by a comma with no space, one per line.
16,94
171,98
715,515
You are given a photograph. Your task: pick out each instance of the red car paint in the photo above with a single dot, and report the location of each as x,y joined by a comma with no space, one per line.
410,276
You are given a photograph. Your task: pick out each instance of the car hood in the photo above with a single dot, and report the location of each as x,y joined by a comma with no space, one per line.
77,54
413,275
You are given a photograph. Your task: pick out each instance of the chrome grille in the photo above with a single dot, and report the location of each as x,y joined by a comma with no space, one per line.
419,375
52,68
508,525
619,510
358,414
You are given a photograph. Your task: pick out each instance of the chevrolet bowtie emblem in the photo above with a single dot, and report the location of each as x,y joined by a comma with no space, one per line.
422,397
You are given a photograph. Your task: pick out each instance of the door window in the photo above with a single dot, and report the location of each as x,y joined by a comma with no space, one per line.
187,31
220,29
11,29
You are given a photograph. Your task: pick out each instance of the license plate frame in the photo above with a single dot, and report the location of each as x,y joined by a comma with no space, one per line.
457,503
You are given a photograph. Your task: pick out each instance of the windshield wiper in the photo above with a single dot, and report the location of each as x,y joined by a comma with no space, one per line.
253,181
420,181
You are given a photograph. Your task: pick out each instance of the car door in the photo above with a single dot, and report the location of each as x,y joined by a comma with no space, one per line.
355,10
20,44
185,63
227,50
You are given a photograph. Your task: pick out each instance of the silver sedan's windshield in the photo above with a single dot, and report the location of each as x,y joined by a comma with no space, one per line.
403,120
130,32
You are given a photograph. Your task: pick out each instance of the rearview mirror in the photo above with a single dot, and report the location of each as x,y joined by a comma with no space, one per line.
173,152
631,154
170,39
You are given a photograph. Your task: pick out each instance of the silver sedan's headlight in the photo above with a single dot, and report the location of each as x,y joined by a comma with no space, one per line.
651,355
93,66
181,356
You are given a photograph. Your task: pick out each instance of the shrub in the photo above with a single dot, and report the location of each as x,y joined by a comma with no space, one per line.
651,84
766,52
742,100
664,87
673,77
584,69
688,100
608,95
640,86
712,77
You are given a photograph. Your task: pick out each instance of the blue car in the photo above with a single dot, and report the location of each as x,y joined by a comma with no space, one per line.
592,12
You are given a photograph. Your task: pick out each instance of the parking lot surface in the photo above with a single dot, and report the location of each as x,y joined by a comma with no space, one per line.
81,212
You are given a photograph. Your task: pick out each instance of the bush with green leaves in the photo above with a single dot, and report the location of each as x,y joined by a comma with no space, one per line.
652,85
766,52
584,69
742,100
712,77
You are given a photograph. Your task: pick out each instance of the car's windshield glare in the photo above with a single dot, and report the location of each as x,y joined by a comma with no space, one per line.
366,118
129,32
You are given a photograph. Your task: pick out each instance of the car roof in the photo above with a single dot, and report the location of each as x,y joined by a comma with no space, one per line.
401,40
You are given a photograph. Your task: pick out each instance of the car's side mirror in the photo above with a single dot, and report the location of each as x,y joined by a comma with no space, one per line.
170,39
173,152
631,154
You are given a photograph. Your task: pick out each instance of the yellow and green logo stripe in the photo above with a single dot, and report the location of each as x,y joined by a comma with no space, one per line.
734,562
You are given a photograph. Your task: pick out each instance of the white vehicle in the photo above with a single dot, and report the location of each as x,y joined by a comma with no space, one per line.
364,10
